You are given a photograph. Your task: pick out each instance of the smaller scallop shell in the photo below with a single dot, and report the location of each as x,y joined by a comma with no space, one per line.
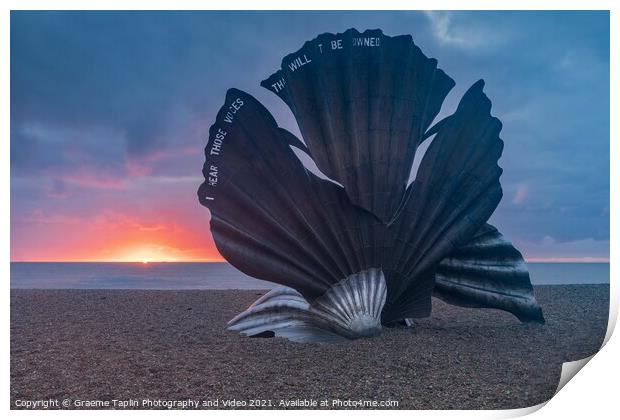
349,309
283,312
353,306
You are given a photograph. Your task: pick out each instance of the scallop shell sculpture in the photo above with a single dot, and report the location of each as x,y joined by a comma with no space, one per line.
362,249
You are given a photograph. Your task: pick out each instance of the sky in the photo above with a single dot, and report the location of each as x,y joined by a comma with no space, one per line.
110,114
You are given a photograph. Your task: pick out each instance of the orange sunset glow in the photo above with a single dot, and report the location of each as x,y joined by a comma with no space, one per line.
174,236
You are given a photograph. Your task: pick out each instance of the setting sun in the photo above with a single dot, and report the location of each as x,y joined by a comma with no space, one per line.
146,254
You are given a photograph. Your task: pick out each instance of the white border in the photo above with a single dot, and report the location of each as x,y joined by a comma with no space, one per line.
593,394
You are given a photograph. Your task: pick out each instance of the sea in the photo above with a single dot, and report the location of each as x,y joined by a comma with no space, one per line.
203,275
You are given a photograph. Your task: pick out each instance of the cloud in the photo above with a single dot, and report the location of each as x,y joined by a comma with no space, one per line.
521,194
441,23
467,30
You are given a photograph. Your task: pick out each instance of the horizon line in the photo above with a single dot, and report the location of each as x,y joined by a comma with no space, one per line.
119,261
528,260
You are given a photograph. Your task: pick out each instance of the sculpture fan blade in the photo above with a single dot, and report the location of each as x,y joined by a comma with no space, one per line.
488,272
270,218
456,190
363,102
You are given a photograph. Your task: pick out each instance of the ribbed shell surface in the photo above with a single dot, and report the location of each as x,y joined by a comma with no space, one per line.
353,306
363,102
349,309
488,272
284,313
